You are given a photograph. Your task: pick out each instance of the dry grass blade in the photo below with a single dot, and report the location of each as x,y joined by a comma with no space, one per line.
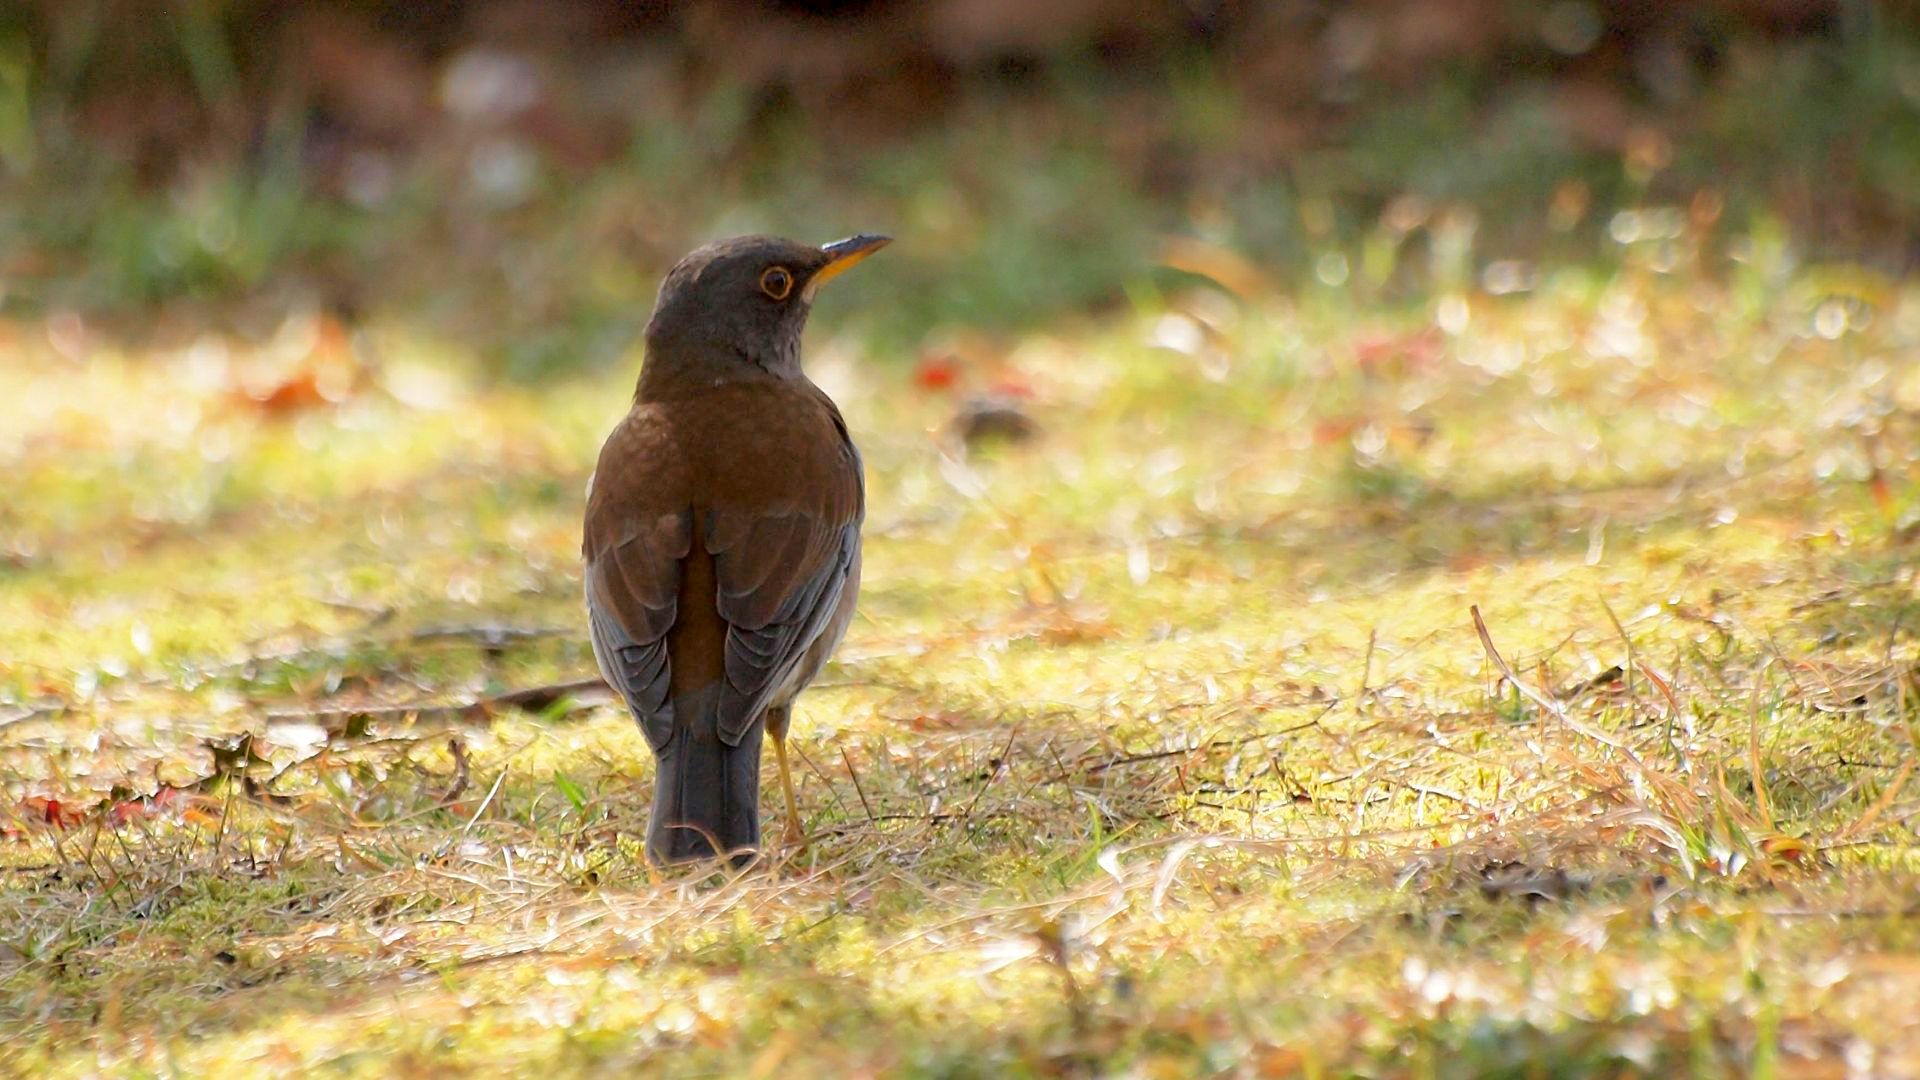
1874,811
1553,707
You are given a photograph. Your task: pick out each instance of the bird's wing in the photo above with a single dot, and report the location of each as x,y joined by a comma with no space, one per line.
634,543
782,568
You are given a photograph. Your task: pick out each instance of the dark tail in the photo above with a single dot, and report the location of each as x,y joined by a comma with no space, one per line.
706,794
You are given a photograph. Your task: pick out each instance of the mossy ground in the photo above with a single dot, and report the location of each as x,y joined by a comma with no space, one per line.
1165,745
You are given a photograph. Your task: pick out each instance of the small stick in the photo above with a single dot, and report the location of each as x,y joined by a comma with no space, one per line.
1506,670
1626,640
530,698
220,836
1762,801
1366,673
857,789
460,773
1552,706
999,768
488,801
837,801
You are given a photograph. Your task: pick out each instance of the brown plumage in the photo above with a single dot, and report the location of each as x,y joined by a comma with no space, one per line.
722,537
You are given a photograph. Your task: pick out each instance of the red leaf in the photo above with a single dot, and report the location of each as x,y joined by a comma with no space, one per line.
133,809
46,810
936,372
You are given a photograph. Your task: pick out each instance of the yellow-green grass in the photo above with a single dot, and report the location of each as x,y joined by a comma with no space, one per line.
1166,743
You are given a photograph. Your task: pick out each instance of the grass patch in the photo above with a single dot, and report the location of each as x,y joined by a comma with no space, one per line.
1165,745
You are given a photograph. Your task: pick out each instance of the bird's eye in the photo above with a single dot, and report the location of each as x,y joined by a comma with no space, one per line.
776,282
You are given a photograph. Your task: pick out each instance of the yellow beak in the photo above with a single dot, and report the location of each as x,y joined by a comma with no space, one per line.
843,254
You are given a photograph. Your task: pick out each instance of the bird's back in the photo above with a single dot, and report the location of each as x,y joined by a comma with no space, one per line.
747,481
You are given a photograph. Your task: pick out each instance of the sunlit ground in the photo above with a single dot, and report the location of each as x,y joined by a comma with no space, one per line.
1166,744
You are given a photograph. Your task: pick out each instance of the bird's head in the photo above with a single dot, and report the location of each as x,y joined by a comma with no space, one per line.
747,298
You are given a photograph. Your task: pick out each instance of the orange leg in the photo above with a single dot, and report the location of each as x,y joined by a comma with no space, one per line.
777,727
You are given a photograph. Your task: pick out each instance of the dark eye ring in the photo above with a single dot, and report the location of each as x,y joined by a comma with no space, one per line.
776,282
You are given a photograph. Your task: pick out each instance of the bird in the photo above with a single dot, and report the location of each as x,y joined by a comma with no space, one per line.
721,543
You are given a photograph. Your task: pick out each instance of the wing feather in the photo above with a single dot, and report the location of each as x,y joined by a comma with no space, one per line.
798,565
631,586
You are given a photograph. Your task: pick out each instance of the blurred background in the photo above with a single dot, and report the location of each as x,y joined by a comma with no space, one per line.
512,176
1257,399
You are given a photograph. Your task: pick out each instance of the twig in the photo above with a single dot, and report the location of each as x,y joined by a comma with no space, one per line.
1757,776
857,789
485,634
220,837
828,784
1879,807
1666,691
541,698
1214,744
488,801
1441,793
460,773
530,699
1366,672
1000,765
1626,640
1528,692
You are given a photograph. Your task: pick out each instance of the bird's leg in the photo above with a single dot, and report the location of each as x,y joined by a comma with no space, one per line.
777,727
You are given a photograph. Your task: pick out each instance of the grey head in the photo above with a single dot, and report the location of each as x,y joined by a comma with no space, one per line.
747,299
